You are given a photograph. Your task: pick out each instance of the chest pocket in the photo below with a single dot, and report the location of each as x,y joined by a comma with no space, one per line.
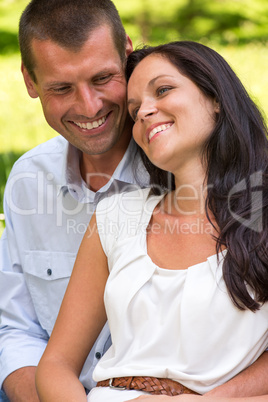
47,275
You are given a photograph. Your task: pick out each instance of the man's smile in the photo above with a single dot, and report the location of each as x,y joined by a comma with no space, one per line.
91,125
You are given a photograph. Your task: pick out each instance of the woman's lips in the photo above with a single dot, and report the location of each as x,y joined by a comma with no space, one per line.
157,128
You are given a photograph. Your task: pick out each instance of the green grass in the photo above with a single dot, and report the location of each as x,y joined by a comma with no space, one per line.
250,64
2,226
21,120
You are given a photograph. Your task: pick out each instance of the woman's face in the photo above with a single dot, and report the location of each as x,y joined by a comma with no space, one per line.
173,118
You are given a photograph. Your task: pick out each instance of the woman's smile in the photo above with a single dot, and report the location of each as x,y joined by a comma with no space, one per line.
156,129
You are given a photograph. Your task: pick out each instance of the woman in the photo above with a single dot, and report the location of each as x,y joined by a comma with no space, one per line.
183,265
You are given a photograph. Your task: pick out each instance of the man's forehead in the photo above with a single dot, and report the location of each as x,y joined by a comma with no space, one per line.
49,55
96,48
52,70
99,36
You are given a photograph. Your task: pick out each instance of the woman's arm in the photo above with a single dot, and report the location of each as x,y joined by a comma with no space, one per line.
80,320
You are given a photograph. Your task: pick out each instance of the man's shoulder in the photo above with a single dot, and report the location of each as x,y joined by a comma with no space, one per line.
42,153
54,145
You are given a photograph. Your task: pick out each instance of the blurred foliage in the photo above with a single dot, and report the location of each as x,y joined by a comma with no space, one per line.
8,42
221,21
7,160
148,21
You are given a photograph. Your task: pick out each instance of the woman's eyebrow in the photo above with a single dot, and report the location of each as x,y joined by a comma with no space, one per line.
131,101
150,84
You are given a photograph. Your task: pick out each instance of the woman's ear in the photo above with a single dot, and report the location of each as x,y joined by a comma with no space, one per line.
216,106
30,85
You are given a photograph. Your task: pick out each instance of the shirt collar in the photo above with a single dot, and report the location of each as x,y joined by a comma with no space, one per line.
71,179
125,172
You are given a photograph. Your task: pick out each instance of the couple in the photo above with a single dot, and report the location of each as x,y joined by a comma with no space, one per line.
200,107
187,311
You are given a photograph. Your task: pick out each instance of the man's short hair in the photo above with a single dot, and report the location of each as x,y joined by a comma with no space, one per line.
67,23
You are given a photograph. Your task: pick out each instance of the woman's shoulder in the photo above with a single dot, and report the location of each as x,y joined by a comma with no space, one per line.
116,213
124,202
120,215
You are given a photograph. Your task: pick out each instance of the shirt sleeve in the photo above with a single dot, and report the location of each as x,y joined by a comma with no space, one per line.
22,340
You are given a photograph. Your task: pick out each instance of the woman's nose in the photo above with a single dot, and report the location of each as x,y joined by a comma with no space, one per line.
147,110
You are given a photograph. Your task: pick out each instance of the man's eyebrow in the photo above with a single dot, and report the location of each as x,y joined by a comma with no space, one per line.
150,84
107,70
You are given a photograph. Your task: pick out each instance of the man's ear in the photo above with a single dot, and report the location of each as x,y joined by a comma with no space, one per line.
129,46
29,82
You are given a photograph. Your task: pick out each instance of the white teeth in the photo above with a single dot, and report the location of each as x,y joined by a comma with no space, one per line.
156,130
89,126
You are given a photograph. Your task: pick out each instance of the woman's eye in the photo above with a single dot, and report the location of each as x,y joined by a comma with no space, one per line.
162,90
135,113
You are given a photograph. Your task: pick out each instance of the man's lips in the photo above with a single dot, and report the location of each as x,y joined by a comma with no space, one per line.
91,125
157,128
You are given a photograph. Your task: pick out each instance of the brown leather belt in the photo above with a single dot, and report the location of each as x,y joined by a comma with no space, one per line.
155,386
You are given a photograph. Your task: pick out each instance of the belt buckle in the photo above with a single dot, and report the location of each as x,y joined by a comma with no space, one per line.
113,387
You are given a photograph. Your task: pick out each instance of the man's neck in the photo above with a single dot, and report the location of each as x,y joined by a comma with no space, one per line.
96,170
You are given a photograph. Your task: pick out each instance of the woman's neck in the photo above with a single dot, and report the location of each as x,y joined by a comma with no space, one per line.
189,196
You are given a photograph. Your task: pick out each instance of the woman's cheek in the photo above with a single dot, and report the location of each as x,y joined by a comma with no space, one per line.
137,134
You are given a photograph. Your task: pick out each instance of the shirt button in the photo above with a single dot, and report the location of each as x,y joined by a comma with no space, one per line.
98,355
49,272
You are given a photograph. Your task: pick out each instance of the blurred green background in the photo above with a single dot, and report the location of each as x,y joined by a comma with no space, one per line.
237,29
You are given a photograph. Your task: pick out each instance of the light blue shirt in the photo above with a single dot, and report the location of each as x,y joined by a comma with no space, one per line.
47,209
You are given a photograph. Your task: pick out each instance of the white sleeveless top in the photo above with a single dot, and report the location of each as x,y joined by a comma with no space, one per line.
178,324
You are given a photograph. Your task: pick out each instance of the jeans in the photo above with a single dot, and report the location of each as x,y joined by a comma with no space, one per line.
3,397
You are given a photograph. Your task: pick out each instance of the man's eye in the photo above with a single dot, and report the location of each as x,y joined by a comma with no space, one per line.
103,79
61,89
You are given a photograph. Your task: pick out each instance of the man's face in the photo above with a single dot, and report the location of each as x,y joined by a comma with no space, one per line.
83,94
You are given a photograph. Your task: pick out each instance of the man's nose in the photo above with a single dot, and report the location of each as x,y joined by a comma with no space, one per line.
88,102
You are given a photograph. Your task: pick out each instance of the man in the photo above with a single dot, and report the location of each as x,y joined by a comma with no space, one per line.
73,57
